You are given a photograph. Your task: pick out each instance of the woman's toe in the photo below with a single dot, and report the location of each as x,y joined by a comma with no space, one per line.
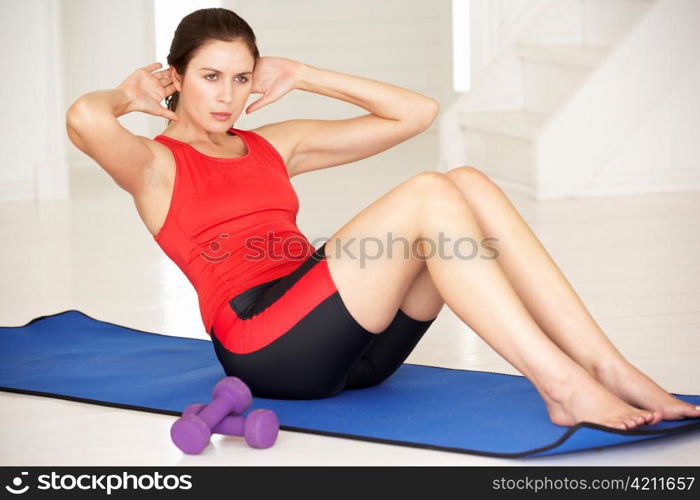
693,412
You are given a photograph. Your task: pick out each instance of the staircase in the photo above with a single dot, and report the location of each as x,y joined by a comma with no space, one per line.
569,91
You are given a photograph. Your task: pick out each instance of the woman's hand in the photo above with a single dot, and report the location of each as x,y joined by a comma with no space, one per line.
273,77
146,89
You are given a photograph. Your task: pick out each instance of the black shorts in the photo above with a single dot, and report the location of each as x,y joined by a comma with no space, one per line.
294,338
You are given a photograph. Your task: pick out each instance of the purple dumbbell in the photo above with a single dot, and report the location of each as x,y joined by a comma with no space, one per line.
260,427
191,432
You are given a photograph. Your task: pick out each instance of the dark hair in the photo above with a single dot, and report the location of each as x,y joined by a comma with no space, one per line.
200,27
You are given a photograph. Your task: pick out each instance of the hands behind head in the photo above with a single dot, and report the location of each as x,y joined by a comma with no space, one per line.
273,77
147,89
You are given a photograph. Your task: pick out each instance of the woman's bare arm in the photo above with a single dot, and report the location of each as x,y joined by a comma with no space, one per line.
92,125
396,114
380,98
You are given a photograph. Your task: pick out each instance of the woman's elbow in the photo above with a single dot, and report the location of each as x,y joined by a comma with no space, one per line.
431,112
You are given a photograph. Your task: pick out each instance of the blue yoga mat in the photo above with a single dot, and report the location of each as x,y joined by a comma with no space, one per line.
70,355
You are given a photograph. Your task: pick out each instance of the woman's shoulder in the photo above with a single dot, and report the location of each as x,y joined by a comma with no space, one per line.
163,165
162,155
155,146
282,136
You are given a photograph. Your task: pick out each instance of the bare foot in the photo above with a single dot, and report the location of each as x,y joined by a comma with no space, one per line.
583,399
628,383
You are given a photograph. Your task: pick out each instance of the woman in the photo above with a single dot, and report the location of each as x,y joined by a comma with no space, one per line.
297,322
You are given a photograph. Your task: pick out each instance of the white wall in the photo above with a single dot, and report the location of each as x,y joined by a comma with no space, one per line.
494,24
403,42
662,153
104,41
633,126
32,156
629,125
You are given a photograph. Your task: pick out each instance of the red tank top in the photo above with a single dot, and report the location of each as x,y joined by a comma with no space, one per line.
231,223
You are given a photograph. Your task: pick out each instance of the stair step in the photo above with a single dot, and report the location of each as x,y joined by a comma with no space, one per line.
514,123
563,53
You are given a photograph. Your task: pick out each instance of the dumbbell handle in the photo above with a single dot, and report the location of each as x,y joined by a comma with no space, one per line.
231,425
262,434
215,412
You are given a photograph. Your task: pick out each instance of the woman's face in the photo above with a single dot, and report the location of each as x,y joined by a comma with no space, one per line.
218,80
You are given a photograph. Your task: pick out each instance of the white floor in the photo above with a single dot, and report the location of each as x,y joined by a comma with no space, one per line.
634,260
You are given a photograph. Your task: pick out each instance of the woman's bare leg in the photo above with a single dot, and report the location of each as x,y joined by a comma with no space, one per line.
540,284
552,301
373,280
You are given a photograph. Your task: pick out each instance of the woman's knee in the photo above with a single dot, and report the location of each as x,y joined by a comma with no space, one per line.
430,179
434,188
436,191
471,180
